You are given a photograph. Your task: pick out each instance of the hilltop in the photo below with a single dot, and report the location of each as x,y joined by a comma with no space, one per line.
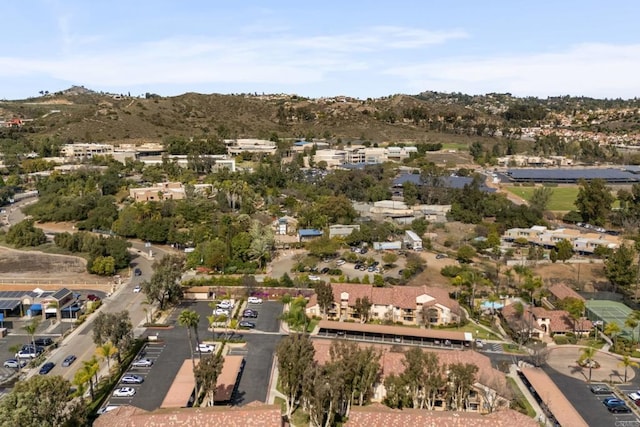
80,114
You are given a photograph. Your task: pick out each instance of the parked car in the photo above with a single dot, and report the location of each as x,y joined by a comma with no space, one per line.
132,379
247,324
635,396
441,256
206,348
142,363
225,304
106,409
43,341
124,392
46,368
68,360
221,312
324,270
612,401
92,297
14,363
619,409
254,300
340,262
479,343
26,354
250,313
600,389
137,289
314,278
137,272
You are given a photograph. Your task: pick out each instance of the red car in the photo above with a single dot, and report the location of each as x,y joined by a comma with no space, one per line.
92,297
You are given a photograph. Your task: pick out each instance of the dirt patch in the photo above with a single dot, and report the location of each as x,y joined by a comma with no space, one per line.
34,267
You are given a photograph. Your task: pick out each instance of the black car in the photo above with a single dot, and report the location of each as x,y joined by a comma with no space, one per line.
46,368
619,409
600,389
44,341
324,270
247,324
137,272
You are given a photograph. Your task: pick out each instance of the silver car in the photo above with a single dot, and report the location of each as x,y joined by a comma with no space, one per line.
142,363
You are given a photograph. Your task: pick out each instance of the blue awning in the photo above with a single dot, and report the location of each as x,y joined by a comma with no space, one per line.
36,307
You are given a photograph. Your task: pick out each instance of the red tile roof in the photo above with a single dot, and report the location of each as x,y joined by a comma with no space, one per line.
254,414
397,296
377,415
562,291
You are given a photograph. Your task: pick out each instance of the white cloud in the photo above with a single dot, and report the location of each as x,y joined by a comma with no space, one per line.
266,57
597,70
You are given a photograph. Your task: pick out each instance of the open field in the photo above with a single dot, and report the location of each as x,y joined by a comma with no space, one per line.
561,200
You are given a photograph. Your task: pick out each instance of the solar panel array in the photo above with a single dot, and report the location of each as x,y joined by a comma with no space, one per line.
9,304
572,175
16,294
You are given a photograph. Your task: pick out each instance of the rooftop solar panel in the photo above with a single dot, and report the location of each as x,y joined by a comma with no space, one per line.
608,174
61,293
9,304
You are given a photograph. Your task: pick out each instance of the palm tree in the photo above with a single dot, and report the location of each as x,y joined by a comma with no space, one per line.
31,329
632,323
86,374
612,329
107,351
587,356
627,362
189,318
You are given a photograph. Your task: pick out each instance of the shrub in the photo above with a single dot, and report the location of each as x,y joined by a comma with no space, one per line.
560,339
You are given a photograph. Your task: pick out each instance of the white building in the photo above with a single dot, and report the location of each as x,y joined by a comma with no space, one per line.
412,240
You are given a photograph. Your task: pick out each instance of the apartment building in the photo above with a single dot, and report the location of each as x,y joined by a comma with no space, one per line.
584,243
404,304
81,151
240,146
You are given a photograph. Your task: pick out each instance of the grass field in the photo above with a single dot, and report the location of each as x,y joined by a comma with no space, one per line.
561,200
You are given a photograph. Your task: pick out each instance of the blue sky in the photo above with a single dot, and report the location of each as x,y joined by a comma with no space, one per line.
349,47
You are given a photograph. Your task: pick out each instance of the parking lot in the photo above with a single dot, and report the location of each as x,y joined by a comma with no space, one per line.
172,349
590,405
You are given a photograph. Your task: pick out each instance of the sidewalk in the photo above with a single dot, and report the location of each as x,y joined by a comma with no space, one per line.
513,373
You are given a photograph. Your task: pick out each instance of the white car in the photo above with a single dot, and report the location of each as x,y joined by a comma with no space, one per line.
221,312
340,262
225,304
137,289
254,300
15,363
635,396
206,348
142,363
124,392
314,278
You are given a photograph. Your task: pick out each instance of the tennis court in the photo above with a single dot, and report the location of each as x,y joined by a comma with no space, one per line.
609,311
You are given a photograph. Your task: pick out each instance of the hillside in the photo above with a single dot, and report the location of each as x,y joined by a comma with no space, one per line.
80,114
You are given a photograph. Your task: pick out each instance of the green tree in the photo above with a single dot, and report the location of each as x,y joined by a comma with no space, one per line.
164,285
462,376
465,254
619,267
116,328
594,201
25,233
574,306
587,357
564,249
540,198
190,320
37,402
295,355
613,330
362,308
107,351
627,362
324,294
207,373
103,266
31,328
389,258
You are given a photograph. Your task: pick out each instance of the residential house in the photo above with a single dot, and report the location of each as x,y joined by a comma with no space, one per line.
538,322
404,304
490,383
560,291
158,192
585,243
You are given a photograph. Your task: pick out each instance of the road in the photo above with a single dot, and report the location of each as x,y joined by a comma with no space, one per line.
80,341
